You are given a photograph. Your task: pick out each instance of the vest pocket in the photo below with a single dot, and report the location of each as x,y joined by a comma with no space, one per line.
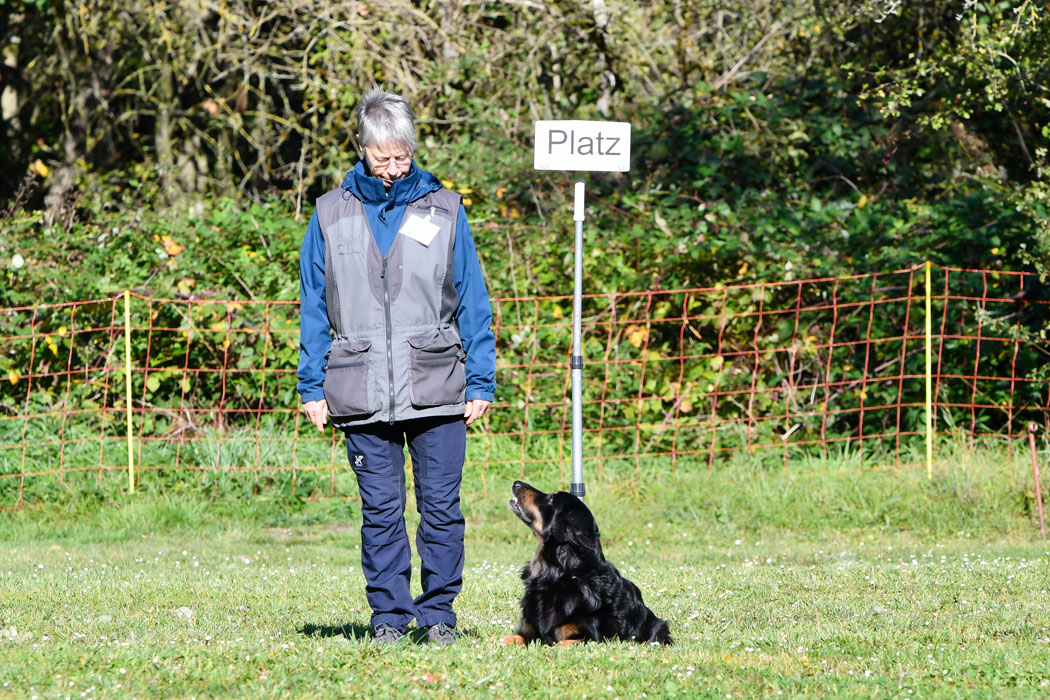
346,379
438,370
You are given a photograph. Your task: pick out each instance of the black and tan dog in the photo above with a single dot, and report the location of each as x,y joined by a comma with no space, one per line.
572,594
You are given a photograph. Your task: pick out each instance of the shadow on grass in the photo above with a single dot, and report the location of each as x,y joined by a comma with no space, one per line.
355,631
348,629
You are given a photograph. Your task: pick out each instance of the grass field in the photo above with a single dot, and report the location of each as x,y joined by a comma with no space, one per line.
880,584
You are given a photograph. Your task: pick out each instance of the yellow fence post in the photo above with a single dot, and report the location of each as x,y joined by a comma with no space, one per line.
929,382
127,389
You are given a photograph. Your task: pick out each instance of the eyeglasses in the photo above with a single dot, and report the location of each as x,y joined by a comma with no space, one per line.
383,163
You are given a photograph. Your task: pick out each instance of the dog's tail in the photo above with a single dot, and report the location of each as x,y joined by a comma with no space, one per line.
660,633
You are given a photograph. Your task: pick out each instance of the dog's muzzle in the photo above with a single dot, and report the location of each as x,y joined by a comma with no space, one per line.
519,510
516,505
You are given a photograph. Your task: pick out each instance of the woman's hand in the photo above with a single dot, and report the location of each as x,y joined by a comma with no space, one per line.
475,409
317,412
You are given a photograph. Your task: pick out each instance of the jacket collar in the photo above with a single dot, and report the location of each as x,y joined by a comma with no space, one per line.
371,190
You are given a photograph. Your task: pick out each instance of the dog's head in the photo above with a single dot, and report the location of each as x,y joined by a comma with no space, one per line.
562,523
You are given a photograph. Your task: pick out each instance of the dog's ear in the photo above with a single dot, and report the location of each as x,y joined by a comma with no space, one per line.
579,529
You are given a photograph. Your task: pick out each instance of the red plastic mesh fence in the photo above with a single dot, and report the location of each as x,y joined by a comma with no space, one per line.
803,376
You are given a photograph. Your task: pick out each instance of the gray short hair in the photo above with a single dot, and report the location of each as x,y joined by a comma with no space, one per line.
384,118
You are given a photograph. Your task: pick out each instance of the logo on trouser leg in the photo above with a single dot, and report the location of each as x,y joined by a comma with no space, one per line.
358,460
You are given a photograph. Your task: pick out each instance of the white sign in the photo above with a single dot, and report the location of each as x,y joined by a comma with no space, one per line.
581,145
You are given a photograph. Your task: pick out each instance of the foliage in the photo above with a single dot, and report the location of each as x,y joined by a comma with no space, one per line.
768,124
212,247
174,149
976,80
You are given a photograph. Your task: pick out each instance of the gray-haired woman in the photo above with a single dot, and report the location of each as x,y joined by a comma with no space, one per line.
396,348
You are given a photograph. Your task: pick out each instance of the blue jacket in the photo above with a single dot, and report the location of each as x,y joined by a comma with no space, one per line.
385,210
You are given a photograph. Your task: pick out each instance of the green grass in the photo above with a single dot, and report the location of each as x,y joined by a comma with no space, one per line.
873,584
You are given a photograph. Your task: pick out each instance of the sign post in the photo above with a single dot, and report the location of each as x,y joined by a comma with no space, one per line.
576,360
580,146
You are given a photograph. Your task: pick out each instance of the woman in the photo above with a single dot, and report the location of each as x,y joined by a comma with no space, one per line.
395,348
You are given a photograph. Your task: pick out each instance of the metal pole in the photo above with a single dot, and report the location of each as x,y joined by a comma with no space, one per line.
576,361
1032,428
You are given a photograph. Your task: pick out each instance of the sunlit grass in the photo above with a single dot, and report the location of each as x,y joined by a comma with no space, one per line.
874,584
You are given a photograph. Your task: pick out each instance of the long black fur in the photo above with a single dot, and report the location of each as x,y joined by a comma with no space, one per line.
571,592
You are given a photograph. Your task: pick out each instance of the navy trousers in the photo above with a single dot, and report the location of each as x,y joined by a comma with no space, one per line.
376,454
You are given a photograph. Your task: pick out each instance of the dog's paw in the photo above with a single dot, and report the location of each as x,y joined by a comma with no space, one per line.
566,643
513,640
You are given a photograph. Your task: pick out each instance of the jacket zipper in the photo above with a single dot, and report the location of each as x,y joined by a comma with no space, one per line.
389,340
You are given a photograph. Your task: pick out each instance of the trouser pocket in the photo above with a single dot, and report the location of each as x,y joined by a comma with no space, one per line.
438,368
346,379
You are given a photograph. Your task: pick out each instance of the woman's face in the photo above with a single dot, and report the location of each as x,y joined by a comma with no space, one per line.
388,162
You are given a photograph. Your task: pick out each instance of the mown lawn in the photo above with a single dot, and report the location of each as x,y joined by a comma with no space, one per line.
150,596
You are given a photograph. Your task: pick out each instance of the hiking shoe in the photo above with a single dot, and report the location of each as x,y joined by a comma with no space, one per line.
385,634
441,634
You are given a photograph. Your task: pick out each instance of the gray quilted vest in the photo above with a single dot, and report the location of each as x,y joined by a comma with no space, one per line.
396,353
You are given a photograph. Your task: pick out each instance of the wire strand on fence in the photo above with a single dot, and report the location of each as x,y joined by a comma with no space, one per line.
800,376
